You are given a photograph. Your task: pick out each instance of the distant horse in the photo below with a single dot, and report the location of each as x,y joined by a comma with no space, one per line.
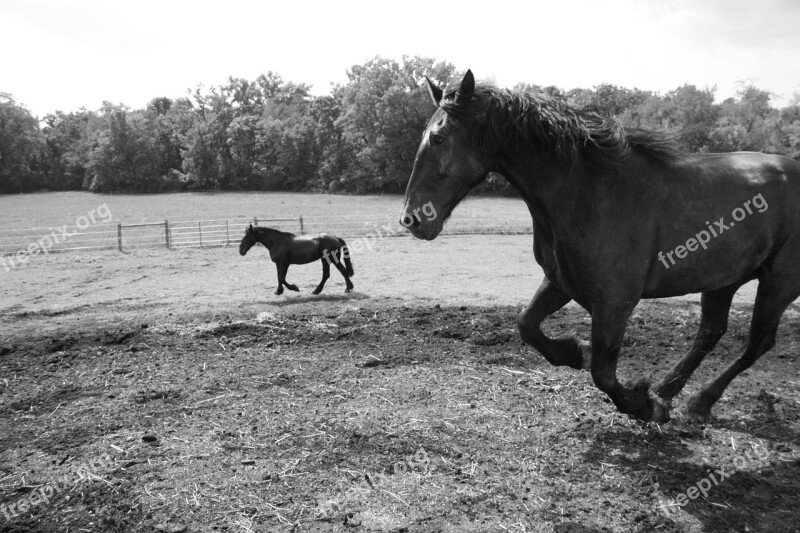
620,215
288,249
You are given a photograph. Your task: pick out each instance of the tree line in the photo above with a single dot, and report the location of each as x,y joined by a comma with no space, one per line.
271,134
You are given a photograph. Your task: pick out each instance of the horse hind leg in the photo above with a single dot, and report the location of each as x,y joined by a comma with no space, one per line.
342,270
772,298
715,306
349,283
565,350
326,273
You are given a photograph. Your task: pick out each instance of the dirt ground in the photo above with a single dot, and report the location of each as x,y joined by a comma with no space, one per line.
172,391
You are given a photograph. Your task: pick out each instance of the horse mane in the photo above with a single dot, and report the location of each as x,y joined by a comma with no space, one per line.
504,120
264,229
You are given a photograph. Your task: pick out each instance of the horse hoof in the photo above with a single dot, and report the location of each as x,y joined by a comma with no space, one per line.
349,290
659,411
586,355
315,292
647,406
664,391
698,408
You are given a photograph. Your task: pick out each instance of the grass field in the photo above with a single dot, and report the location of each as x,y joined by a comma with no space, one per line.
91,220
47,209
171,391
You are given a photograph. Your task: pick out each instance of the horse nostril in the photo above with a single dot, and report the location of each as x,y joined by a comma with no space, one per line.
408,220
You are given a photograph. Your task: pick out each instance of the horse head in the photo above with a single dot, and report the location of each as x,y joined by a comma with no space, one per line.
249,239
448,164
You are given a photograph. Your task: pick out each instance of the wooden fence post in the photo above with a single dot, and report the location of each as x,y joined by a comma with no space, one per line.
167,236
119,235
200,231
227,233
302,230
255,221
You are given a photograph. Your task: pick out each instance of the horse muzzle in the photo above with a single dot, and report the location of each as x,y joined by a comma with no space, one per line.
422,221
421,229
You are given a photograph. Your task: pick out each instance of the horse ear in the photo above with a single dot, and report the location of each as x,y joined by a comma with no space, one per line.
435,92
466,89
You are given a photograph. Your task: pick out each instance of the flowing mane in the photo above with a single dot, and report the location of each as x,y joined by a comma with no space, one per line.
262,230
505,120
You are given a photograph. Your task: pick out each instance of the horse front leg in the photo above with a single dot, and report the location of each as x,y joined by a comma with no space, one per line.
290,286
283,268
608,330
565,350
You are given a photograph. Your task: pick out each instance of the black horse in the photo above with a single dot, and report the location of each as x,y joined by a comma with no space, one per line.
288,249
610,209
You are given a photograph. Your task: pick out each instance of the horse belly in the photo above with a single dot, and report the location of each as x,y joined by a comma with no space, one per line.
304,259
683,286
304,250
706,270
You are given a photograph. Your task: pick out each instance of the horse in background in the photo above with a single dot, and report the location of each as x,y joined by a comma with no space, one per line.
620,215
288,249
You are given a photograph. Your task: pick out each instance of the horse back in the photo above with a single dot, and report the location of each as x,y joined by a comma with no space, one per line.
645,224
731,216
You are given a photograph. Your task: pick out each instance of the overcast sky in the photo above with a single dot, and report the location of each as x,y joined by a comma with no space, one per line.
63,55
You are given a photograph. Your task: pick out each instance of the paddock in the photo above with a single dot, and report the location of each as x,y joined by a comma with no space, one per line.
170,390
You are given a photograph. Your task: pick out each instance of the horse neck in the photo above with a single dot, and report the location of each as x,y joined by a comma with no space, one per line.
267,236
547,188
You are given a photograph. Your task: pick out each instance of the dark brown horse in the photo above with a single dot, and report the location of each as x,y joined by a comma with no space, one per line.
288,249
620,215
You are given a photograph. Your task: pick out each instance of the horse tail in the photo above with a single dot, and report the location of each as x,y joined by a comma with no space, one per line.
348,265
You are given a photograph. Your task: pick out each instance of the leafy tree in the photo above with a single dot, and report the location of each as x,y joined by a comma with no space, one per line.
385,108
269,134
753,106
616,100
687,112
789,129
20,144
336,153
269,141
65,154
747,122
164,118
203,142
124,156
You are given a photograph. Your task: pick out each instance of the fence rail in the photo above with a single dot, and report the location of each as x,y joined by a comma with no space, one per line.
223,232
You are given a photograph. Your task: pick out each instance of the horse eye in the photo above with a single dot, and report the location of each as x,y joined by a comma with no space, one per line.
436,139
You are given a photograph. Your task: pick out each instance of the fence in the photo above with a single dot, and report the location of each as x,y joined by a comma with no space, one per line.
195,234
222,232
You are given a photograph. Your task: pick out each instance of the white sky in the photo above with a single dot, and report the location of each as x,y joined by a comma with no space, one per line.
63,55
